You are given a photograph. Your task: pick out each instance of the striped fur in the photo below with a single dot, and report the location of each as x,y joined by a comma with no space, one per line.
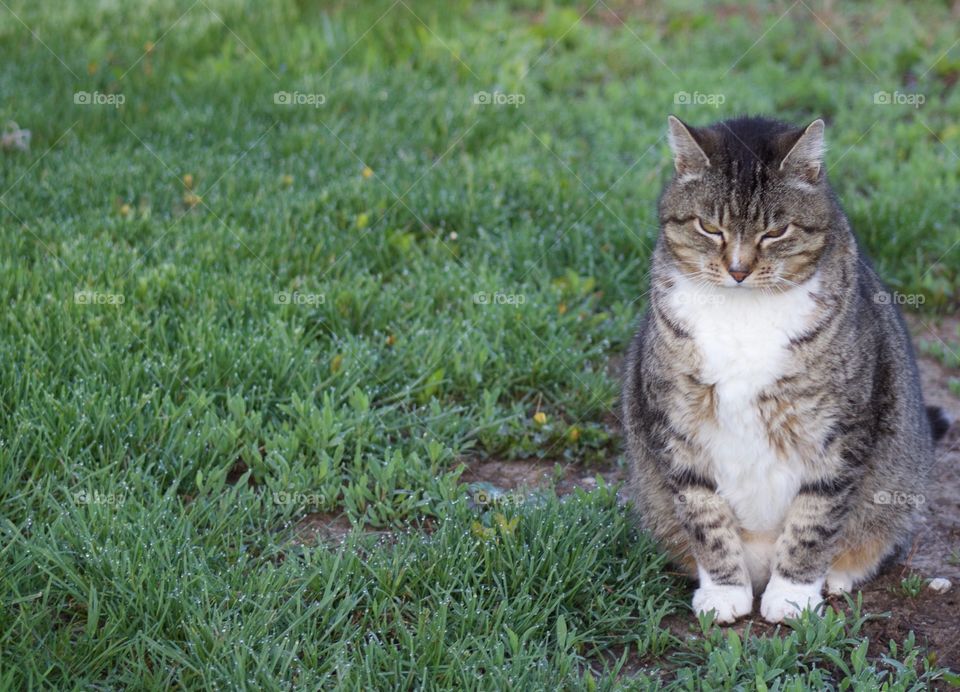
775,424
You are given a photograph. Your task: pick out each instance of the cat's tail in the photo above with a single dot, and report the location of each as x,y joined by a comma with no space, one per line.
939,423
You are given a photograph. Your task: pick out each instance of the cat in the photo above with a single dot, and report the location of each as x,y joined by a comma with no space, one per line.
776,431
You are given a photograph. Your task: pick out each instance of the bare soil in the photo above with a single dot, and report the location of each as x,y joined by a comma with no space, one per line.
530,474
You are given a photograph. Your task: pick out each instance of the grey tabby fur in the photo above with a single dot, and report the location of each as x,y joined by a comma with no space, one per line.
845,412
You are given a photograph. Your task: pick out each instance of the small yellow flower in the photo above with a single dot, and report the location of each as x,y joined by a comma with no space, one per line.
391,340
482,532
507,528
287,180
540,418
188,181
125,210
367,172
574,434
192,200
362,220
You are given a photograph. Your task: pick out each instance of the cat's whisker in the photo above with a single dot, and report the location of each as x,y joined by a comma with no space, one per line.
788,282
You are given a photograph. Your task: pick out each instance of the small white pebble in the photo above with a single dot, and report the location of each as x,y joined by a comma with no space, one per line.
939,584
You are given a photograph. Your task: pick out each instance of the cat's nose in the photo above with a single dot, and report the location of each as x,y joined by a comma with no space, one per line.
738,273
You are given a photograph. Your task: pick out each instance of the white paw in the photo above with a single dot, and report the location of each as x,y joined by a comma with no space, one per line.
728,602
787,599
839,583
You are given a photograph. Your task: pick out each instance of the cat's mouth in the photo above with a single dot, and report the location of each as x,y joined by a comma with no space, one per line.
759,276
754,281
766,277
729,281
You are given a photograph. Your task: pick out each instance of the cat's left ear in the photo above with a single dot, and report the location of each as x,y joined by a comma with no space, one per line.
688,156
805,158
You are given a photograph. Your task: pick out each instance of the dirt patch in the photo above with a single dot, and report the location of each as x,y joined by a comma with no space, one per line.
330,529
534,474
492,476
931,616
322,527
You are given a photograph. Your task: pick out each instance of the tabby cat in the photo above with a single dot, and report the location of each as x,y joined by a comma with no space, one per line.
778,439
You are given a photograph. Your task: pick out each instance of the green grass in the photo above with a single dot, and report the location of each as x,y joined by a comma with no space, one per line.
485,268
912,585
946,351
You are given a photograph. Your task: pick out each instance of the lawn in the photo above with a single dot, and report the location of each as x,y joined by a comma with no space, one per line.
272,262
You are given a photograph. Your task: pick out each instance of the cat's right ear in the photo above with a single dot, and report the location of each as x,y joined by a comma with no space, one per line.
688,156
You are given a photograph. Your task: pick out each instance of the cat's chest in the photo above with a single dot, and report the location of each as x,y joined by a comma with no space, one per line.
742,336
742,339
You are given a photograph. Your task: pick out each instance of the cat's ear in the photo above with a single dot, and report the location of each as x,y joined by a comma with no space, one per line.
688,156
805,158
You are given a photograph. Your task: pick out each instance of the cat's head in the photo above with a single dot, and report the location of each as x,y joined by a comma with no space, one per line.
749,206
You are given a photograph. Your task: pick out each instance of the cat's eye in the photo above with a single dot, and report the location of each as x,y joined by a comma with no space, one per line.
776,233
708,228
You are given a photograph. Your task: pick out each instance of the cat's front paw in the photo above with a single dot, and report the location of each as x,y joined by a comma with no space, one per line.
728,602
787,599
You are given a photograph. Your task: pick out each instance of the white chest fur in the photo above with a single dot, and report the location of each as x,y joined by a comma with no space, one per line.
743,336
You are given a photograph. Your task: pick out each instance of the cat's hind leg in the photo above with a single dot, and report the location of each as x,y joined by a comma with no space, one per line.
855,564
